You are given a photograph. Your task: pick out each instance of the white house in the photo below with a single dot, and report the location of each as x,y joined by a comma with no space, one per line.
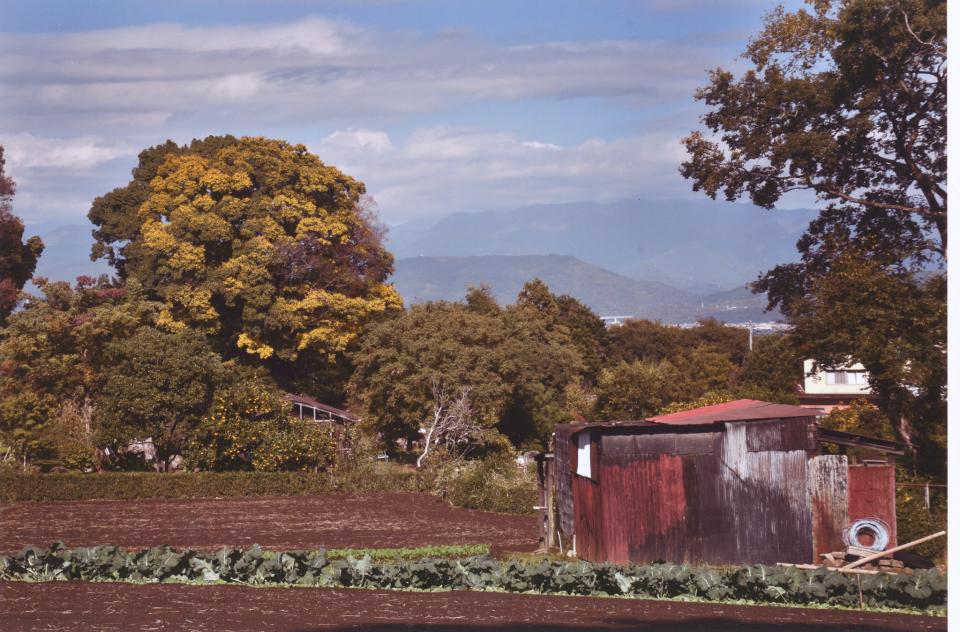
834,387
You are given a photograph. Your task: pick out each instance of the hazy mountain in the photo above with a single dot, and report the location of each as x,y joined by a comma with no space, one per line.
66,254
421,279
698,245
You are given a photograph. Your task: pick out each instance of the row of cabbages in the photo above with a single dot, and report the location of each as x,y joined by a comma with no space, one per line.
773,584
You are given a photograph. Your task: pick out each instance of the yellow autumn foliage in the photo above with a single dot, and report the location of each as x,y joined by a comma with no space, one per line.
262,245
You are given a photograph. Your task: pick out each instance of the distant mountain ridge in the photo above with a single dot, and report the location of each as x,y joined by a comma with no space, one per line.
696,245
420,279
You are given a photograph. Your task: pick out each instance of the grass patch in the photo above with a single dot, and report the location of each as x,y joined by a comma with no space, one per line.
415,553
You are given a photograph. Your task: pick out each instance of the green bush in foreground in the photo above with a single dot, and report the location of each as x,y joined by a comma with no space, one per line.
764,584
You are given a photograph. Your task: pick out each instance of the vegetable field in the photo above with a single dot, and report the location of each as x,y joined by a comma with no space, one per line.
305,522
110,606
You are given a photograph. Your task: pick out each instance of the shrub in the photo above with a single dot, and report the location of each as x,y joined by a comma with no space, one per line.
19,487
494,483
914,520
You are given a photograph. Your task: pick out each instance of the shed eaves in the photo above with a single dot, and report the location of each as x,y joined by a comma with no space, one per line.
738,410
309,401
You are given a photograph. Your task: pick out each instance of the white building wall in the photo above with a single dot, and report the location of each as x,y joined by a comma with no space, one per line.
850,379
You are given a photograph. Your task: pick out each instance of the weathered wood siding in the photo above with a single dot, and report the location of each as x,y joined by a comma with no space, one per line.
829,501
563,474
872,494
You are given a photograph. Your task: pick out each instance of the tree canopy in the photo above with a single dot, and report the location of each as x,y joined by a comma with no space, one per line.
255,242
18,260
847,100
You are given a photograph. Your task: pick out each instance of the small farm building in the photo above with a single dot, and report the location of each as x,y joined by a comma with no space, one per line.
308,408
740,482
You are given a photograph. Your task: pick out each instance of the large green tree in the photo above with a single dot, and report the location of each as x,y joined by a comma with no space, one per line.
847,100
401,361
17,259
157,386
53,357
270,252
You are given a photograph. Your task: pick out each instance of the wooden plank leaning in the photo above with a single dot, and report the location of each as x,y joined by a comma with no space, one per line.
877,556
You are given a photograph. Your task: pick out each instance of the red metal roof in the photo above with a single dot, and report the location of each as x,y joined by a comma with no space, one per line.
737,410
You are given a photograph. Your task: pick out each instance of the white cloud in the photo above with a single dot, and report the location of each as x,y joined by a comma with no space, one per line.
25,152
441,170
312,68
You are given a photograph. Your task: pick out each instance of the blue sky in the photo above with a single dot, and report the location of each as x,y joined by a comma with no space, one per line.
438,106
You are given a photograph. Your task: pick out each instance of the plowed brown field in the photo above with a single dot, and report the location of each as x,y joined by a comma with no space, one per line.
302,522
121,607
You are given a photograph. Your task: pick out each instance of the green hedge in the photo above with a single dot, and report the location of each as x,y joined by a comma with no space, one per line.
16,487
924,590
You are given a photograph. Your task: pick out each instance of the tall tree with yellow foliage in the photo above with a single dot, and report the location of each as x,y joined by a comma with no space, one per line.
255,242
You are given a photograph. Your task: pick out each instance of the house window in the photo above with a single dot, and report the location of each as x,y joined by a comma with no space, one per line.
857,377
583,454
836,377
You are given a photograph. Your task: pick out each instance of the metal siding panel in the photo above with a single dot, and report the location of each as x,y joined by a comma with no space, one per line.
644,511
827,482
872,494
763,435
766,495
587,518
799,434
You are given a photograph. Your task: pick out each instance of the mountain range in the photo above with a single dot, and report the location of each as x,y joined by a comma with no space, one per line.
669,260
701,246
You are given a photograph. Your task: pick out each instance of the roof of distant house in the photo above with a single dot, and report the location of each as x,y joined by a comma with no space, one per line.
737,410
309,401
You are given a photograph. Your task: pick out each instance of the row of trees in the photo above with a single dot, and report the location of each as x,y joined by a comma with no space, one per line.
245,268
251,257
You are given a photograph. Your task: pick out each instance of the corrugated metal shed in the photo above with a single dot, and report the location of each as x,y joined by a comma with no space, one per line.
742,482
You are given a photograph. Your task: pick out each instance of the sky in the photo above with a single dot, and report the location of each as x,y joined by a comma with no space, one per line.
438,106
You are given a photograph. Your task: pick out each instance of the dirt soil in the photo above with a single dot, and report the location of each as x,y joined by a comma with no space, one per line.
80,605
303,522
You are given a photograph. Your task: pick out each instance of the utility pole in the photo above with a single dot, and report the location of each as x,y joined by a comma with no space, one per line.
750,337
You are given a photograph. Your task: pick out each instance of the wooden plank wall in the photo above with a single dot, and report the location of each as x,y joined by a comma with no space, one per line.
563,477
827,481
872,494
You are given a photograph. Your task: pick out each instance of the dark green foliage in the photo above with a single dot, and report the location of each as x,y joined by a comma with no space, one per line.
515,363
135,485
775,365
762,584
157,385
847,99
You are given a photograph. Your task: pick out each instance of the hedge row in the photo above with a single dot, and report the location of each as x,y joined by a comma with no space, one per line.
764,584
16,487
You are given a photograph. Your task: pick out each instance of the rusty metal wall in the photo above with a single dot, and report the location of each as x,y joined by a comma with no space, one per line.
827,480
872,494
737,493
588,518
644,511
